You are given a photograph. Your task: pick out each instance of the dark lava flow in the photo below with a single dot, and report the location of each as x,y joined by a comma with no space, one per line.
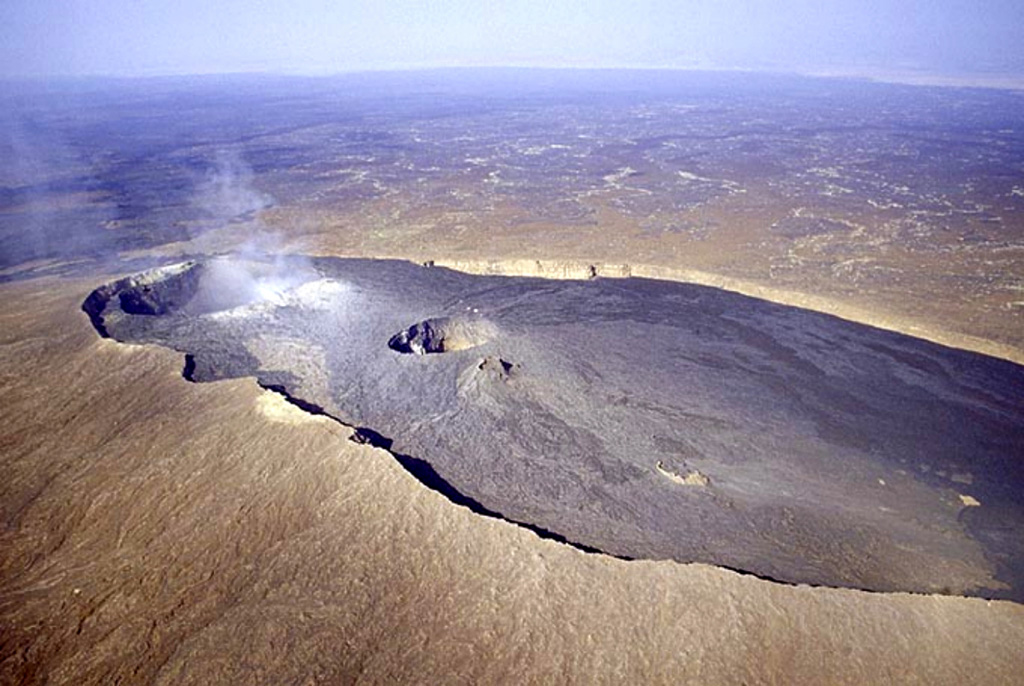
640,418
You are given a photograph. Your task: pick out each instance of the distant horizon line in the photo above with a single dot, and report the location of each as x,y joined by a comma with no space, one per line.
910,77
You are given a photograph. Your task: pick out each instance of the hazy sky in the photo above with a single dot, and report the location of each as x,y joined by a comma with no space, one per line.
137,37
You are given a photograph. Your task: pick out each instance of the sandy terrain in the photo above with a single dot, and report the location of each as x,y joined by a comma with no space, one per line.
166,532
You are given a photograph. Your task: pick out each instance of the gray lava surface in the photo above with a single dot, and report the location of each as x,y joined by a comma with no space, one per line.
639,418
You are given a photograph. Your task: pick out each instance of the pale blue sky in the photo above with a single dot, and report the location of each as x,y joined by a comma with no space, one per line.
141,37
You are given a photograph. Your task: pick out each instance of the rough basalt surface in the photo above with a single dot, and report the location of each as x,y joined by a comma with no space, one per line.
643,419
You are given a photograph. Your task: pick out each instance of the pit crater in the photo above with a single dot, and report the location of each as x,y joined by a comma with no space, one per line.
442,335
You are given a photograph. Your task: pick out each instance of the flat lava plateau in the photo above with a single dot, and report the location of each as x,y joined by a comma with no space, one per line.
635,417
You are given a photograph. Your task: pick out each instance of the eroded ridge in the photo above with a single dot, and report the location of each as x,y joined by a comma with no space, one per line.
639,418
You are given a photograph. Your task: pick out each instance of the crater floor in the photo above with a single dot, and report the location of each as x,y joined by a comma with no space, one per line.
641,418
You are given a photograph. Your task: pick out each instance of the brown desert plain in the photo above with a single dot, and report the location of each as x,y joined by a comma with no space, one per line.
166,532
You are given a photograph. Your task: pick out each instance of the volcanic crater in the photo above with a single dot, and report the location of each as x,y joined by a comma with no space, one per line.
634,417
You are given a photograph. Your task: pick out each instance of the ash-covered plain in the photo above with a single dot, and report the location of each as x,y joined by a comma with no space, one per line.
640,418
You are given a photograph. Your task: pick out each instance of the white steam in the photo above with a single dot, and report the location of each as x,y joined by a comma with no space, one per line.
228,282
227,191
255,273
